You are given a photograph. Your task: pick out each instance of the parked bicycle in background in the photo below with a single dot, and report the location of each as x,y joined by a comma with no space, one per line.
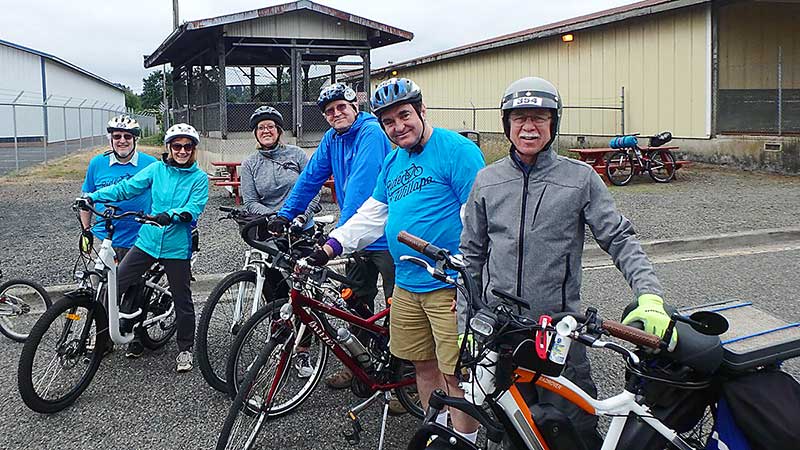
22,302
630,159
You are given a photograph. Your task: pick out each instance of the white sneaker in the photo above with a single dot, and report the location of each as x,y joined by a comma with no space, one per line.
184,361
303,365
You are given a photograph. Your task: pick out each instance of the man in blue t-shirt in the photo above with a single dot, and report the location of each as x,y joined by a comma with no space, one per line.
421,189
109,168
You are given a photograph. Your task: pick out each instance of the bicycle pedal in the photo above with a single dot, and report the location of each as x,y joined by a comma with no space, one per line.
354,437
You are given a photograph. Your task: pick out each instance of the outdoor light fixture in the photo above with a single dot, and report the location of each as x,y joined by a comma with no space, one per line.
394,73
567,37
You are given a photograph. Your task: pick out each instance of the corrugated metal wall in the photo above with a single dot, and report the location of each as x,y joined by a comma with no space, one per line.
21,71
298,24
661,60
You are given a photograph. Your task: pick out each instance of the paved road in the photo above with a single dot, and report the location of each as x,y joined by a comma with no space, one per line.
143,404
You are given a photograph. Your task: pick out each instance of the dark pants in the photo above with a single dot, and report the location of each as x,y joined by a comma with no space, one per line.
364,271
578,371
179,274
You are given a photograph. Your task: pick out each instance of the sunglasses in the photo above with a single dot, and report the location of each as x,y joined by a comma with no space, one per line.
334,109
117,137
176,147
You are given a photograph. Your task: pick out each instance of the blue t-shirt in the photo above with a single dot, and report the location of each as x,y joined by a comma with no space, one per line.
424,193
100,174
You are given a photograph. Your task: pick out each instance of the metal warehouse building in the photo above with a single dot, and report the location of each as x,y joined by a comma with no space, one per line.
723,76
43,96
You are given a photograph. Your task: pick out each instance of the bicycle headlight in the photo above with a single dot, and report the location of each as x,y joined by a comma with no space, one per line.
482,325
286,311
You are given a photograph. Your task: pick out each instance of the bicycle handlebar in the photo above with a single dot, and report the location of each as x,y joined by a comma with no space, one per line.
631,334
426,248
108,213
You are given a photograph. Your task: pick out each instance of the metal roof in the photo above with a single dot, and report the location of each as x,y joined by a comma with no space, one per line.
620,13
58,60
199,31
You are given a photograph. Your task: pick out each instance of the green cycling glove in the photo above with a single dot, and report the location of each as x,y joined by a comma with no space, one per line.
87,241
650,312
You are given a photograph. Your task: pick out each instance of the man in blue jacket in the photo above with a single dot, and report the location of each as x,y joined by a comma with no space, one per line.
352,151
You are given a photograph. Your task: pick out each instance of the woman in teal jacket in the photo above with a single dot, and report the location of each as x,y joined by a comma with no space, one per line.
179,193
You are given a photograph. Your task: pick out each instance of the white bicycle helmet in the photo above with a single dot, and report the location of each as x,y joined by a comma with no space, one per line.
124,122
532,92
181,130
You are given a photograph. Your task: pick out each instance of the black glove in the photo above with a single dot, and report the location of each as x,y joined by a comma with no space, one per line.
318,257
298,224
278,225
163,219
185,217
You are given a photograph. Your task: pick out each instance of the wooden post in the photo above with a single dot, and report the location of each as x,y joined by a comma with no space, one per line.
223,97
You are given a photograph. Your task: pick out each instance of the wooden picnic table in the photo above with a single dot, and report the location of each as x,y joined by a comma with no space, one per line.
231,179
596,157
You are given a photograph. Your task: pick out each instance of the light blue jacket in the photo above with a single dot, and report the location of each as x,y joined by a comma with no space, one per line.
354,158
173,190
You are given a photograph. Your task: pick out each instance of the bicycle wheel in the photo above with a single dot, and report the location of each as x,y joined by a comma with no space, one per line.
157,334
55,367
218,327
247,345
408,395
619,168
22,302
662,166
291,390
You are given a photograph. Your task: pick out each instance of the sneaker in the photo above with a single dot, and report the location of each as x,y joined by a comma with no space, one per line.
303,364
184,361
340,380
135,350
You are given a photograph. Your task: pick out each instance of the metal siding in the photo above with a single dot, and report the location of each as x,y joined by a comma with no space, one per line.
21,72
297,24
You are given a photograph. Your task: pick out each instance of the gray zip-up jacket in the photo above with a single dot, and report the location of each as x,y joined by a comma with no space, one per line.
524,234
267,178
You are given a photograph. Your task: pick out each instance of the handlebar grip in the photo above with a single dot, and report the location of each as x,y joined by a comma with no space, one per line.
632,335
421,245
226,209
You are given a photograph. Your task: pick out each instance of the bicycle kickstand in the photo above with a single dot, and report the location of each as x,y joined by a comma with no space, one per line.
387,397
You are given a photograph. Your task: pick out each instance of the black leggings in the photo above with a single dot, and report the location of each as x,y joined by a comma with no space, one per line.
179,274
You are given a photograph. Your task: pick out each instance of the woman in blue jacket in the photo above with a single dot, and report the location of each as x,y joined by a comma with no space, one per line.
179,192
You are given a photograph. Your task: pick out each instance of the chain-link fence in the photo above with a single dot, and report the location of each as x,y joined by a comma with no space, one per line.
33,131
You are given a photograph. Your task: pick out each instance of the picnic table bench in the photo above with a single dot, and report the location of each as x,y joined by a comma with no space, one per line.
231,180
596,157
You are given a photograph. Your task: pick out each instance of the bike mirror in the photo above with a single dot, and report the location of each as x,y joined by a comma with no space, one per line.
708,323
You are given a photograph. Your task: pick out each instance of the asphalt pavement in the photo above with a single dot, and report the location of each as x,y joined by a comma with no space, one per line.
144,404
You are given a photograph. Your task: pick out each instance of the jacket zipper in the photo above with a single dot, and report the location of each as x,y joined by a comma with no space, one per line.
521,239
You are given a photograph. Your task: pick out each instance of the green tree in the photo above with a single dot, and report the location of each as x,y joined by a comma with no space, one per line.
152,93
132,100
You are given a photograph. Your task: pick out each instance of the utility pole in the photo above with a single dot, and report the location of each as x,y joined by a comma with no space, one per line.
165,118
175,16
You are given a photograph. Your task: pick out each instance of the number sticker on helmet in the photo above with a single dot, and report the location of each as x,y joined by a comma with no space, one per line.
536,101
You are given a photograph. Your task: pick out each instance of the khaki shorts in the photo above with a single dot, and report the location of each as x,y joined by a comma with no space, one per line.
423,328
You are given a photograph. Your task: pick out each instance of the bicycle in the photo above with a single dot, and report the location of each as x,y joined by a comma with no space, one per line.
70,339
666,401
235,299
22,302
630,159
268,389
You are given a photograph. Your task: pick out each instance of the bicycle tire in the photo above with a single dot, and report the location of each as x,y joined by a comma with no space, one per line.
157,334
292,390
619,168
212,351
664,162
247,345
242,410
407,395
69,353
18,327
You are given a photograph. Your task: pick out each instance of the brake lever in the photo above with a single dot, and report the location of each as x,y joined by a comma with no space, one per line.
435,272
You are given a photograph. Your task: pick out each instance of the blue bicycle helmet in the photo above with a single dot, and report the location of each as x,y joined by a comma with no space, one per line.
336,91
395,91
266,113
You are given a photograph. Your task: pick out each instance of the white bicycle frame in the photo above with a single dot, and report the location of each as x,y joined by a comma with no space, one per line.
516,410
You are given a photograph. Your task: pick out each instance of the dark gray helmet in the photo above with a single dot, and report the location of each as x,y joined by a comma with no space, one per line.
266,113
532,92
395,91
336,91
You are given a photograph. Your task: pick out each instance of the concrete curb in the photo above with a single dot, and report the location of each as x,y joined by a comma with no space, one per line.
592,254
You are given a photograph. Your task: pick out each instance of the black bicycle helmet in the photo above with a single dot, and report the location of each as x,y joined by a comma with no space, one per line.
266,113
336,91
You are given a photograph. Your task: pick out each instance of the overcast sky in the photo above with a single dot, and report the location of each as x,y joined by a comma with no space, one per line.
110,37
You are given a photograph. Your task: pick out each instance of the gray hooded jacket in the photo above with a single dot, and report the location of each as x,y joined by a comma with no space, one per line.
268,177
524,233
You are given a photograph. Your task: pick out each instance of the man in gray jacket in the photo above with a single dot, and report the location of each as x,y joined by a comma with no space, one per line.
524,227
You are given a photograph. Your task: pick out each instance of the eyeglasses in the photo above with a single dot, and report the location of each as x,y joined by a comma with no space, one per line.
176,147
537,119
338,109
269,128
117,137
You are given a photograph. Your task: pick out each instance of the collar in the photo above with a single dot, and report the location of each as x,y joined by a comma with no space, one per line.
545,158
134,161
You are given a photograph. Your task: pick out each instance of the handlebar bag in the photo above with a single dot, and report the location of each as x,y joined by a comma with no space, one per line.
766,406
